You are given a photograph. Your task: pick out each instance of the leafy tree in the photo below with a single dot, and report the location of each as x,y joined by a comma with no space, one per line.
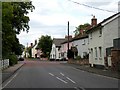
14,20
45,43
83,27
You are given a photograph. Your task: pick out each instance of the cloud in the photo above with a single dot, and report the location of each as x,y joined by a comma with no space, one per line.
50,17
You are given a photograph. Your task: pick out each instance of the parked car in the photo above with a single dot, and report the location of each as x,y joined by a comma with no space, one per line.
20,58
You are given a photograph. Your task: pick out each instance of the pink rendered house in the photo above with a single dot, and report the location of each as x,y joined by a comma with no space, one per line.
64,47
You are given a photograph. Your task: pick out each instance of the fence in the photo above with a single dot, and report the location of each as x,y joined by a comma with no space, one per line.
4,64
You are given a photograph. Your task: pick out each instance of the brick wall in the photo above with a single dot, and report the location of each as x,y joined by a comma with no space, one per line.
115,59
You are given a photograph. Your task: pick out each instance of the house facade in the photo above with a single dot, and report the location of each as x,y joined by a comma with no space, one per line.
35,51
101,39
81,43
64,48
56,51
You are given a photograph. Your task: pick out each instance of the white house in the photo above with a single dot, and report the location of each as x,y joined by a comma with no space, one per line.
56,52
101,39
81,43
35,51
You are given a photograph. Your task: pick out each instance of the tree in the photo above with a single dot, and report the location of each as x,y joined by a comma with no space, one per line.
14,20
81,29
45,43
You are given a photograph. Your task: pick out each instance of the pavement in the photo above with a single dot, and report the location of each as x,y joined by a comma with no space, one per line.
11,70
104,72
109,73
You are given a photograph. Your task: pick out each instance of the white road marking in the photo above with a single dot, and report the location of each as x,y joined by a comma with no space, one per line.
70,80
51,74
79,88
61,79
62,74
10,80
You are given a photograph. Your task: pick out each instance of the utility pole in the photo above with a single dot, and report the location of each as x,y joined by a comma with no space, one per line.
68,35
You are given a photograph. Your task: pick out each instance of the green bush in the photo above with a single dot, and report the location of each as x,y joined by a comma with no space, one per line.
13,59
78,58
70,54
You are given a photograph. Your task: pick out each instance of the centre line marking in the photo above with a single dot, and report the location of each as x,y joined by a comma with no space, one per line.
62,74
61,79
70,80
51,74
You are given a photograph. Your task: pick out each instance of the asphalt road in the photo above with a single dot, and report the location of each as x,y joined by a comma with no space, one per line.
46,74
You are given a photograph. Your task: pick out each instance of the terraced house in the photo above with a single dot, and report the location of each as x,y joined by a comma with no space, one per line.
101,38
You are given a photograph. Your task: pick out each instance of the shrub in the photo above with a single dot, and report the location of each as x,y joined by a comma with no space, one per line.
78,58
13,59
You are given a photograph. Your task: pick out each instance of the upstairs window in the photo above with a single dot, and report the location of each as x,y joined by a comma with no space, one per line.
83,42
100,32
95,51
90,35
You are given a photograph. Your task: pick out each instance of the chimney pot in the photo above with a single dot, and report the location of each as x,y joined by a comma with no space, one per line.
31,44
35,41
93,21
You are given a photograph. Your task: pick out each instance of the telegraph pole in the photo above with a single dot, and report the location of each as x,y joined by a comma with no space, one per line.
68,35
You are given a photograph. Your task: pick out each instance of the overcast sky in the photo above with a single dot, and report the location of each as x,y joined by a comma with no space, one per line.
50,17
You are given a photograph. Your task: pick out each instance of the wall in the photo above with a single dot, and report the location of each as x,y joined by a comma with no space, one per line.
52,52
64,48
82,46
96,41
55,53
110,32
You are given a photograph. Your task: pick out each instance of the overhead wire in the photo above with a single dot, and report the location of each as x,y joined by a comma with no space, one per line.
92,7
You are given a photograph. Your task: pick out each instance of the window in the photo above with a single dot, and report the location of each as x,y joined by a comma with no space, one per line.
90,35
100,51
95,51
100,32
88,40
83,42
59,55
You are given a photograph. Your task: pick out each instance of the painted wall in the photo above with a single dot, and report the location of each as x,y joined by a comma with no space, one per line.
95,42
64,48
82,46
110,32
55,53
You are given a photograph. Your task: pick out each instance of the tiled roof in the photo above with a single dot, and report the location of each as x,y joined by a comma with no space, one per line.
78,37
58,41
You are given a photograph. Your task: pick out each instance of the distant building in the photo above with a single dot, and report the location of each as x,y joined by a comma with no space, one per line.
64,47
35,51
55,52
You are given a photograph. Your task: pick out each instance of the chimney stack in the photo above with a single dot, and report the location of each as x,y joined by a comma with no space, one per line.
70,37
31,44
119,6
35,42
93,21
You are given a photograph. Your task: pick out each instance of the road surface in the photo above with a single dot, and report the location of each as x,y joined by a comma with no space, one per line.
46,74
